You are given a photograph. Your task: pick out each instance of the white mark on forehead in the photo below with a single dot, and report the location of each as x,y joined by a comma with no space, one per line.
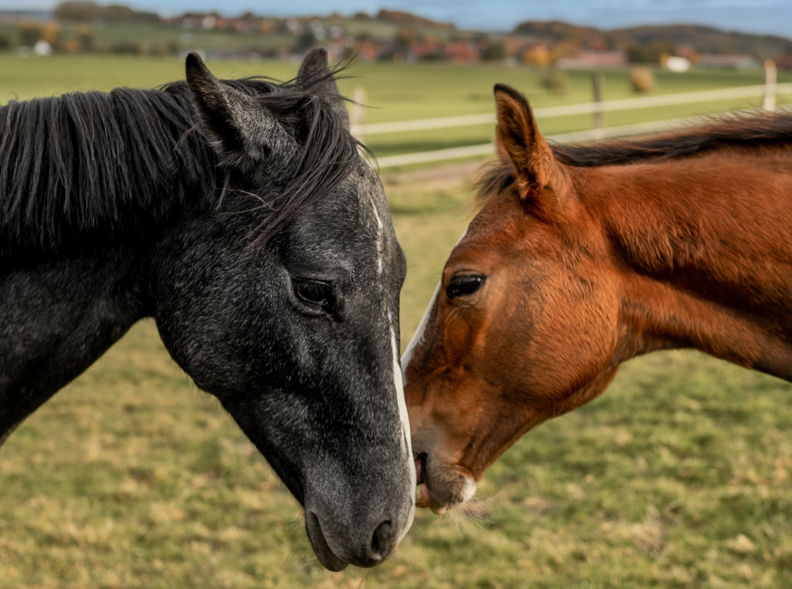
419,333
380,237
405,422
406,440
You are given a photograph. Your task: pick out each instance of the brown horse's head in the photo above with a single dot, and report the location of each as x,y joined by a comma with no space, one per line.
524,322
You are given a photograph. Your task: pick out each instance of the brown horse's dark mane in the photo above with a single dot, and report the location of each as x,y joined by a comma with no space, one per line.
750,131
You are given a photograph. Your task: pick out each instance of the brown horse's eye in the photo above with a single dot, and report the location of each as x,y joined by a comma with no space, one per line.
462,285
315,294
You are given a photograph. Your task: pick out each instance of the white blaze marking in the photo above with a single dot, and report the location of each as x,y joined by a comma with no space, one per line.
380,239
405,421
419,333
406,441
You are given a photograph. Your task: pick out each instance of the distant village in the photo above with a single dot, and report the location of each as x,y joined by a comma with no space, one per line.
84,26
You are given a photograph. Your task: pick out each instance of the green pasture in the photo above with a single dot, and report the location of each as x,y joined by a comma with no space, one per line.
395,92
680,475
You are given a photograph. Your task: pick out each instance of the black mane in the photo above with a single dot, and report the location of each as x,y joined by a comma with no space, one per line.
747,131
96,163
734,131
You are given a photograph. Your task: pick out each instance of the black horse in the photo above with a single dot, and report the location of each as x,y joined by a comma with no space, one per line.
240,215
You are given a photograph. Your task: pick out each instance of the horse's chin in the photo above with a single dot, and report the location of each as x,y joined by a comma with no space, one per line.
442,486
320,546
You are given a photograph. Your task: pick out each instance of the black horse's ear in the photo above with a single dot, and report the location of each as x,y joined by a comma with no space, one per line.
243,131
315,77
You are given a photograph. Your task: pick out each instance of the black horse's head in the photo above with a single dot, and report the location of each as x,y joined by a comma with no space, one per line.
284,303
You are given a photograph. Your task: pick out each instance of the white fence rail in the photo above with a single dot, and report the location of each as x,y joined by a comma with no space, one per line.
575,109
558,111
576,137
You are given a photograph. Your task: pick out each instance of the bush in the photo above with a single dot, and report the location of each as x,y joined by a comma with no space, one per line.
537,56
30,34
642,79
494,51
86,41
651,52
555,81
306,40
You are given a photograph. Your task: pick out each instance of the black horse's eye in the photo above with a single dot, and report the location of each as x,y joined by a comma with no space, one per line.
315,294
464,284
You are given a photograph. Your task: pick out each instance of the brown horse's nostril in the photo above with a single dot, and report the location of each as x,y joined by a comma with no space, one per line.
382,542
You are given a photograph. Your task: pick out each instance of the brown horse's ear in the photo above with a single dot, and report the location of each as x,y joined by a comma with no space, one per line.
518,138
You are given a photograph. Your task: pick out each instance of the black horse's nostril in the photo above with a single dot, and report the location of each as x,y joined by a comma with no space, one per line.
382,542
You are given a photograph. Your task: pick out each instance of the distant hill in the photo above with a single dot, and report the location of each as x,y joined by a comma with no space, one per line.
559,31
700,38
10,14
97,26
407,19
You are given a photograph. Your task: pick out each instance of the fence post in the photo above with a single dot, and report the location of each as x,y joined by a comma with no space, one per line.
596,81
356,120
770,85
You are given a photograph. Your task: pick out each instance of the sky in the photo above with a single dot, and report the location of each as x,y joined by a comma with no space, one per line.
749,16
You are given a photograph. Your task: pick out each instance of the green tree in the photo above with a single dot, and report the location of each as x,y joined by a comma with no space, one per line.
86,38
30,33
650,52
306,40
77,10
494,51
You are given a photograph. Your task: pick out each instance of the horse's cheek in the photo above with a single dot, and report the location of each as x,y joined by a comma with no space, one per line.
456,336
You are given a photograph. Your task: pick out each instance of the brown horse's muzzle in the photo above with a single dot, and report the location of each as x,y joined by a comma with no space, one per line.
443,481
442,485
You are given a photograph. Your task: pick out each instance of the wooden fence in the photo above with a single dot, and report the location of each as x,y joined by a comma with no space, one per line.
767,92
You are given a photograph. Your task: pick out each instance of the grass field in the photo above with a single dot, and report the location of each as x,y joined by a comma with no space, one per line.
395,92
679,476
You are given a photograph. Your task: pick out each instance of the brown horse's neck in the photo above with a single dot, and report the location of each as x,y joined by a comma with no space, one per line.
703,251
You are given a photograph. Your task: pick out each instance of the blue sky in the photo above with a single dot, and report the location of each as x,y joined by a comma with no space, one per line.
752,16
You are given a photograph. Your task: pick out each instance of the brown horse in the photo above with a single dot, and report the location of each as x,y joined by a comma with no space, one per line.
583,257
